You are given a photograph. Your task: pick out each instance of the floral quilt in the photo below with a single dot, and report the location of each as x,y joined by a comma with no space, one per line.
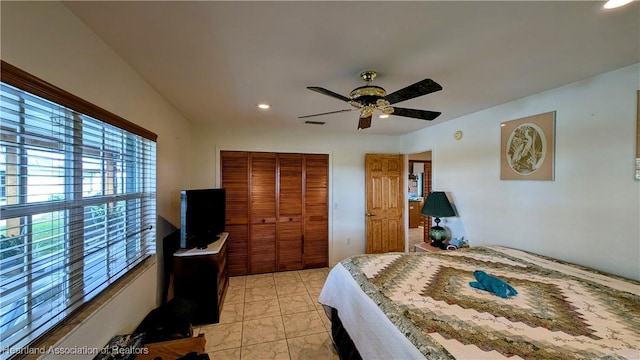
562,311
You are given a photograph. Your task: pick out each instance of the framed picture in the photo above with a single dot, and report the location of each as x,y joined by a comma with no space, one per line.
638,137
527,148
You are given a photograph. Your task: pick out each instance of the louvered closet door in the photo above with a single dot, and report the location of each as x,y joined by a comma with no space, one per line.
262,211
290,211
234,171
316,211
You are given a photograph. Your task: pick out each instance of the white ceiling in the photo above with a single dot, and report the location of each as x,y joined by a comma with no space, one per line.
214,61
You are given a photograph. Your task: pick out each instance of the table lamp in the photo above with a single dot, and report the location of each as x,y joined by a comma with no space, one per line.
437,205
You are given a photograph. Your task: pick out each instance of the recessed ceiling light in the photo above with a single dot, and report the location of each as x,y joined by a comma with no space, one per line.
612,4
384,116
264,106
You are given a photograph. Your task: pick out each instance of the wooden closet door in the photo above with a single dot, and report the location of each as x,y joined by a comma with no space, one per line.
290,200
262,212
316,210
234,173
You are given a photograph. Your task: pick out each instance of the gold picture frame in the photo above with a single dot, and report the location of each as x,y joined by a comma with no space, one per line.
638,137
527,148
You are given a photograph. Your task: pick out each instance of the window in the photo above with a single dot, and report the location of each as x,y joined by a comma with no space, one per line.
77,204
3,182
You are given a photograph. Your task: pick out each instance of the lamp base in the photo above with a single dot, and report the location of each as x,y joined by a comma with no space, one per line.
437,234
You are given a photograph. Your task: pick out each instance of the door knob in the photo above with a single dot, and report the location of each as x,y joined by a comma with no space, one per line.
369,214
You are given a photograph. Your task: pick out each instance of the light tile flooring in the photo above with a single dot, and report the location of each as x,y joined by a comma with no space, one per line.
416,236
272,316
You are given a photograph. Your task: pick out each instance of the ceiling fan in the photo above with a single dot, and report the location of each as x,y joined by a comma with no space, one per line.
368,98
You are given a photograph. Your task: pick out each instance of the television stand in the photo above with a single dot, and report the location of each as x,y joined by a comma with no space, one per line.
200,275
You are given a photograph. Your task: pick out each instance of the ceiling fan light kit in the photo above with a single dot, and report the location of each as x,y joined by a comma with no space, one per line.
364,122
369,98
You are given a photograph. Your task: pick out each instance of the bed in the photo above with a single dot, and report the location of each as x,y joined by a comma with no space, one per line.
420,305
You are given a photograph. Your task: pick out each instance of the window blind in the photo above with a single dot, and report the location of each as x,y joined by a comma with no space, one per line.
77,211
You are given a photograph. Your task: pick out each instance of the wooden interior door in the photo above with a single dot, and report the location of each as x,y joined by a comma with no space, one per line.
290,200
316,210
262,212
385,200
234,173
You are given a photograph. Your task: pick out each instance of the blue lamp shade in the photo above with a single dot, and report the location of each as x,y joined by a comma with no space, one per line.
437,205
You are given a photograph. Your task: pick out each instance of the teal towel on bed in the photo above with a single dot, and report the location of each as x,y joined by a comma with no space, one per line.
492,284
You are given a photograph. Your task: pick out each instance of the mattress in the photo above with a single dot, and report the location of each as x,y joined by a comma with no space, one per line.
420,305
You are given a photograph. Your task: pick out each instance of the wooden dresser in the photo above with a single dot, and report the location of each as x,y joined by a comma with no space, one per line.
201,276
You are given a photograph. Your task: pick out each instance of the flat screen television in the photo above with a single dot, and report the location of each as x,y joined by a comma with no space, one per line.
202,216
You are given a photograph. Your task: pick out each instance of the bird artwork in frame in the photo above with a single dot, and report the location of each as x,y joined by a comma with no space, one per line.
527,148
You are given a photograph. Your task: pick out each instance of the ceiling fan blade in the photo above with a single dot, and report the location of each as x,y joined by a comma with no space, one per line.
415,113
328,93
326,113
364,122
420,88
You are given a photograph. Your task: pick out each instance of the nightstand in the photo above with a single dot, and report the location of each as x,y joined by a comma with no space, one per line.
426,247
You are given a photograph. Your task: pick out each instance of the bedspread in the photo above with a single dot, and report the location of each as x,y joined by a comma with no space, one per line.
562,311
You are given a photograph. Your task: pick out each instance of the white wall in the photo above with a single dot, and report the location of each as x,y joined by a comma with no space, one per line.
346,166
590,214
48,41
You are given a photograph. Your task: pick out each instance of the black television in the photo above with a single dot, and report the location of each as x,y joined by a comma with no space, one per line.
202,216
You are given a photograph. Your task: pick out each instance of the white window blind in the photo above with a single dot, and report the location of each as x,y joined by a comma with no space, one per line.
77,211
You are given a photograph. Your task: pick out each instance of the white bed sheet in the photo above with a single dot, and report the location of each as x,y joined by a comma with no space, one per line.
375,336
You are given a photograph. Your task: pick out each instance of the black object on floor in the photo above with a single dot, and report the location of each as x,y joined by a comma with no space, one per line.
195,356
168,322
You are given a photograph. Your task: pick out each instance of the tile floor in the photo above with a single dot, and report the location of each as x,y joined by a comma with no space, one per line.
272,316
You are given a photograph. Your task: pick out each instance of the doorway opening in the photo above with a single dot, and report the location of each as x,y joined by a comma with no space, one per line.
420,184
